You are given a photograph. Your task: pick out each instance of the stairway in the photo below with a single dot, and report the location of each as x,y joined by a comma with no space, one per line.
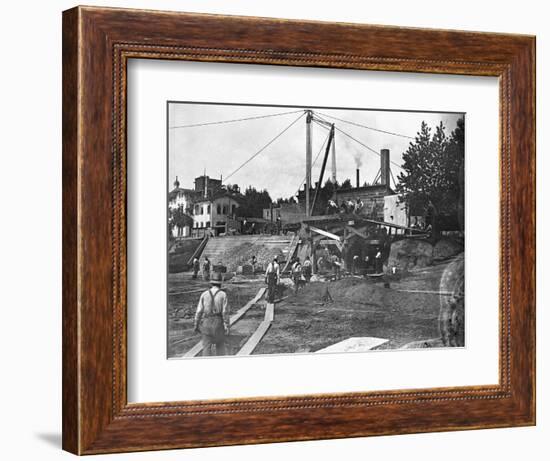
179,254
235,250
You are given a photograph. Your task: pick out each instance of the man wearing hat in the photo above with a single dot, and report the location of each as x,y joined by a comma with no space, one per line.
212,317
272,275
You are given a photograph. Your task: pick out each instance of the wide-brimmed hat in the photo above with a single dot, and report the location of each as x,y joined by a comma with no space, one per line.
216,279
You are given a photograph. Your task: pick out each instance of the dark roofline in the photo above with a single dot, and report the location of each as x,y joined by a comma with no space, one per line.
181,189
365,188
221,194
302,192
175,191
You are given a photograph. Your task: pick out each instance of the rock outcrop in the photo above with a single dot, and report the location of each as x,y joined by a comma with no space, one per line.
410,254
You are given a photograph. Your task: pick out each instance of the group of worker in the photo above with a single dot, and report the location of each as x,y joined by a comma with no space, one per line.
212,314
206,268
347,206
212,319
368,262
274,227
301,273
335,263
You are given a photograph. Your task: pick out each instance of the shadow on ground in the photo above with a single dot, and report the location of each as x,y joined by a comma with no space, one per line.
51,438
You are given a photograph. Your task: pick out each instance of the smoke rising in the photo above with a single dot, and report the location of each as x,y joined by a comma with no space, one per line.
352,148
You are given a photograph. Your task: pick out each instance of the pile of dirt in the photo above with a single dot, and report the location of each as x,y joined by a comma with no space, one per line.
410,254
446,248
349,289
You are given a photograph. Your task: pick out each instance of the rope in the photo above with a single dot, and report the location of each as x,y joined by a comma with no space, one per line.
364,145
234,120
264,147
365,126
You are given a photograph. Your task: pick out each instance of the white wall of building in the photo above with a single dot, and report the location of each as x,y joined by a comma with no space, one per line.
181,199
210,214
202,214
395,212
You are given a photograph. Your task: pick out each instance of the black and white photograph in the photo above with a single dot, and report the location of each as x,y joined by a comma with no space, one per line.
297,230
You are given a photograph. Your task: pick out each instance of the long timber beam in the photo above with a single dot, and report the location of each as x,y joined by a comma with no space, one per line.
326,233
257,336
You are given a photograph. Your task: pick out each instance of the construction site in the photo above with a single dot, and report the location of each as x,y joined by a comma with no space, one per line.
379,279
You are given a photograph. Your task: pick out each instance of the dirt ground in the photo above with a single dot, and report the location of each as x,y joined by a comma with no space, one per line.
304,323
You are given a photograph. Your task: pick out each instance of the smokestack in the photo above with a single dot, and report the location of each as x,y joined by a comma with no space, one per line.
357,177
385,167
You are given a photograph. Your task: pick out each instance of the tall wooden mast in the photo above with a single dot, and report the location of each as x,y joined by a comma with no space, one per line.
308,160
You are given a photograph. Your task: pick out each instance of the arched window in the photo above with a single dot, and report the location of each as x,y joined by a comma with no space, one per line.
208,209
219,209
225,209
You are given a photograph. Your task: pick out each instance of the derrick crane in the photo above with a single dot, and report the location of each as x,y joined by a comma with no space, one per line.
329,148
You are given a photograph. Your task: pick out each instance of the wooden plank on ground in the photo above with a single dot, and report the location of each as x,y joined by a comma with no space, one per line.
428,292
257,336
253,341
195,350
269,312
355,345
237,315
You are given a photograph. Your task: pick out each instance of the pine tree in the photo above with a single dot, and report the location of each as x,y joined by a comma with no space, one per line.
254,203
430,182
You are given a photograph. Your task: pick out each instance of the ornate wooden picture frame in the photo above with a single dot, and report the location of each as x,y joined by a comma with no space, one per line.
97,44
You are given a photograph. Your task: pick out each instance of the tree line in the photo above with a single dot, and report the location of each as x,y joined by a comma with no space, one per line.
432,180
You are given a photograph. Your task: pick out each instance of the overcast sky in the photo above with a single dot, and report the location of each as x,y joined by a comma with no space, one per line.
221,148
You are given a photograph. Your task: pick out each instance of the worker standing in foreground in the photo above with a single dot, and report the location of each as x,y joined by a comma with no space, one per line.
212,318
272,275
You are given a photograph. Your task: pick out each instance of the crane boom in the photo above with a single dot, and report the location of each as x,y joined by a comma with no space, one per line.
325,158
